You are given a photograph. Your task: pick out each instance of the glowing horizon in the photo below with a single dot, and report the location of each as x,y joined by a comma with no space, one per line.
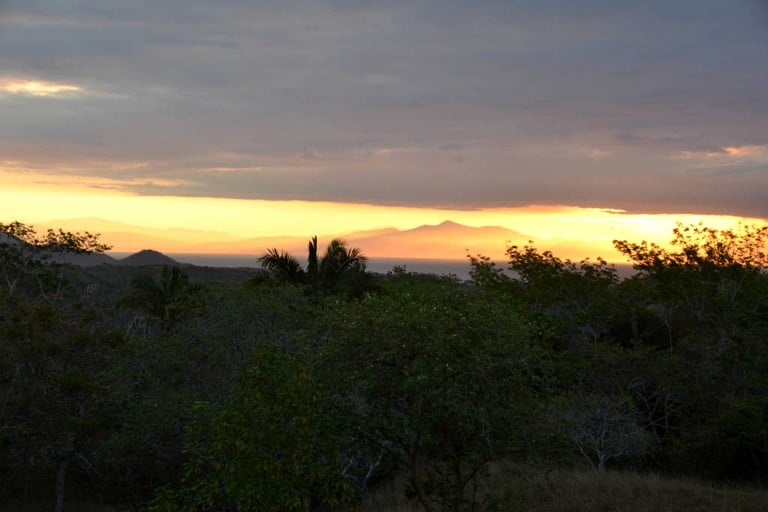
298,120
579,232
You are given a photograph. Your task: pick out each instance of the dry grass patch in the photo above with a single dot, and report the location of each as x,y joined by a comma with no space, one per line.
581,490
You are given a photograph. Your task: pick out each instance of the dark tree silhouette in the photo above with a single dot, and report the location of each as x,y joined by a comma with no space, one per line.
168,299
283,266
327,273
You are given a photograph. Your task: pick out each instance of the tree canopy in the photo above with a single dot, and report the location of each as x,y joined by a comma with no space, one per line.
292,397
699,246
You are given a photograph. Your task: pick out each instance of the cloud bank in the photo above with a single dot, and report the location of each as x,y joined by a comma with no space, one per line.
643,106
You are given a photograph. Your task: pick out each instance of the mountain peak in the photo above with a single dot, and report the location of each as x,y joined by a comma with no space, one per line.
147,257
446,224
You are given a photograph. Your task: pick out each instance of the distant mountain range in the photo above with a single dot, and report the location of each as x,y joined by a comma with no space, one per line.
447,241
139,259
432,247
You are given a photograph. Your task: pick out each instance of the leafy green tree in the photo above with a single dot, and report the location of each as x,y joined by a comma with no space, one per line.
153,394
150,392
486,273
168,299
442,381
52,348
273,446
714,280
579,299
700,247
710,291
742,428
27,255
53,416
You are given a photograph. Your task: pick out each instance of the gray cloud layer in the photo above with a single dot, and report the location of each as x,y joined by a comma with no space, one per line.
465,104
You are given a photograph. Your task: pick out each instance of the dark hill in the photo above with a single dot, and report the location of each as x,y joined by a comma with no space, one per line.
147,257
84,260
52,254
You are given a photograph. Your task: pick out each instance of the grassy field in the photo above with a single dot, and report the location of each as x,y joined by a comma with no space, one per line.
585,491
535,490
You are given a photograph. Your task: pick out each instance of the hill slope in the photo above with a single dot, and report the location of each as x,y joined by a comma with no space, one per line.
146,257
447,240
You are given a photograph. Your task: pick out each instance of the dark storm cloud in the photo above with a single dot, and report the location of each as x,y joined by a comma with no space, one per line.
450,103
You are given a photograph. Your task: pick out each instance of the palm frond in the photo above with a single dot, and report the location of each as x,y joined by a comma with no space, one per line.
339,259
282,265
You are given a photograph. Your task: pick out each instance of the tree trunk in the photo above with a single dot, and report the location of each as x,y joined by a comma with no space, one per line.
61,479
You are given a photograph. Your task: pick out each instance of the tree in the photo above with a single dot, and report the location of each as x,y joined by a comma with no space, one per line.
273,446
329,273
578,298
284,267
441,379
702,247
26,254
486,273
168,299
601,427
715,281
51,349
710,291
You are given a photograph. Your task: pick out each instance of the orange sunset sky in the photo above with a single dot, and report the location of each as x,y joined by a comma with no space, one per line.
198,123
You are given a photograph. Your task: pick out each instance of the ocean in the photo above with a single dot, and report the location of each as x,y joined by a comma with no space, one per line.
459,268
380,265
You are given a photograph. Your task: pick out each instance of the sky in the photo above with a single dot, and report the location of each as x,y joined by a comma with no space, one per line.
274,117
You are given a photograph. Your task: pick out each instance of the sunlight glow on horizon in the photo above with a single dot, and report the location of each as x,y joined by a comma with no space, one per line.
583,229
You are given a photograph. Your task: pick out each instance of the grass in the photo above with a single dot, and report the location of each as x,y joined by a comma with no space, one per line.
519,488
46,505
577,490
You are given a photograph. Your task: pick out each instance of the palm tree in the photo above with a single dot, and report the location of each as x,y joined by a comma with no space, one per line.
283,266
338,262
167,299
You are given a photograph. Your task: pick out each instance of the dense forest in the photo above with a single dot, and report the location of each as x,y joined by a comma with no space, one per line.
310,387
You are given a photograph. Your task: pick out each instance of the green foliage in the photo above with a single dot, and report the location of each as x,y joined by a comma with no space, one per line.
485,273
293,400
723,432
700,247
443,382
237,319
275,445
579,299
713,285
53,242
743,431
52,375
25,255
153,391
167,300
148,390
284,267
710,292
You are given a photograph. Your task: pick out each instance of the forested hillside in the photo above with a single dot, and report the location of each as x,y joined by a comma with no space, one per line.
312,387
